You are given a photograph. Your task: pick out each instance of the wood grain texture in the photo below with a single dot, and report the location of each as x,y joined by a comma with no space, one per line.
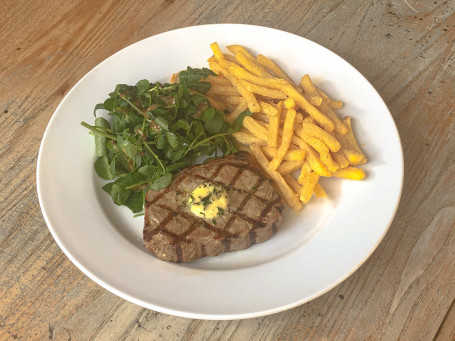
405,291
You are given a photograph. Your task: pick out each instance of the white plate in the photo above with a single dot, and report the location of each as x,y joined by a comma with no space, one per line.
313,252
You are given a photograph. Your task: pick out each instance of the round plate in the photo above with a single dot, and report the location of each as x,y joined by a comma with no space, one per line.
315,250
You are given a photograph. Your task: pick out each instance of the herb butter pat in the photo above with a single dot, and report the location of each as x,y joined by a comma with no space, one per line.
208,200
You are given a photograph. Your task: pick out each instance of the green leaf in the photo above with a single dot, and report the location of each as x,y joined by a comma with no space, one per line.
98,107
162,122
172,139
118,193
180,124
135,201
216,123
208,114
149,171
103,168
142,86
162,182
109,104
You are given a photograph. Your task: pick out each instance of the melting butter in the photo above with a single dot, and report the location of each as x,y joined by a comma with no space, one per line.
208,200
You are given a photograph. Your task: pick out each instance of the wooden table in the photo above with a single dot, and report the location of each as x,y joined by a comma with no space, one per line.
406,290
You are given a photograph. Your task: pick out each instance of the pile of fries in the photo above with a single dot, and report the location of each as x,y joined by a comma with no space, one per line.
293,126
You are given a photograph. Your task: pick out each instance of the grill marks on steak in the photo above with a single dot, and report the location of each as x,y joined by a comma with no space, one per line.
253,215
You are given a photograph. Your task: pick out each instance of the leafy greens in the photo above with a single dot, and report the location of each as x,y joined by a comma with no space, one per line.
156,130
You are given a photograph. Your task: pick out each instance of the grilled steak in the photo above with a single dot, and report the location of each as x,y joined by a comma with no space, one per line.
254,212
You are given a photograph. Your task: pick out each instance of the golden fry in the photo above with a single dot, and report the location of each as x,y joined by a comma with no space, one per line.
288,194
218,80
315,100
241,107
263,91
288,129
231,99
227,90
308,183
274,126
289,103
339,158
238,48
269,64
316,164
336,104
247,138
315,131
253,104
302,102
288,167
352,173
252,66
217,51
321,148
268,109
255,128
240,72
319,191
291,154
293,183
349,145
310,89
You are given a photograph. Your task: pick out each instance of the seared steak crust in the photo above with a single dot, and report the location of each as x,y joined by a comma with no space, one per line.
253,215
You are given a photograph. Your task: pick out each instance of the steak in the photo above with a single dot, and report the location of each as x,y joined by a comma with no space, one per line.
253,215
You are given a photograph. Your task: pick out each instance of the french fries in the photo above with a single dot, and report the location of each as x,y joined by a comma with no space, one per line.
294,134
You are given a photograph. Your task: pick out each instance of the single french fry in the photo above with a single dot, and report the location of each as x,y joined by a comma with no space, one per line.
293,183
308,183
230,99
269,64
309,88
288,167
253,104
315,131
339,158
238,48
230,58
268,109
241,107
255,128
240,72
247,138
291,154
288,194
218,80
274,126
226,90
302,102
288,130
319,191
352,173
324,96
349,145
315,100
217,51
289,103
336,104
252,65
263,91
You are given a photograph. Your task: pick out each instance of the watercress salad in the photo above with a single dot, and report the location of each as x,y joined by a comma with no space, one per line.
156,130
